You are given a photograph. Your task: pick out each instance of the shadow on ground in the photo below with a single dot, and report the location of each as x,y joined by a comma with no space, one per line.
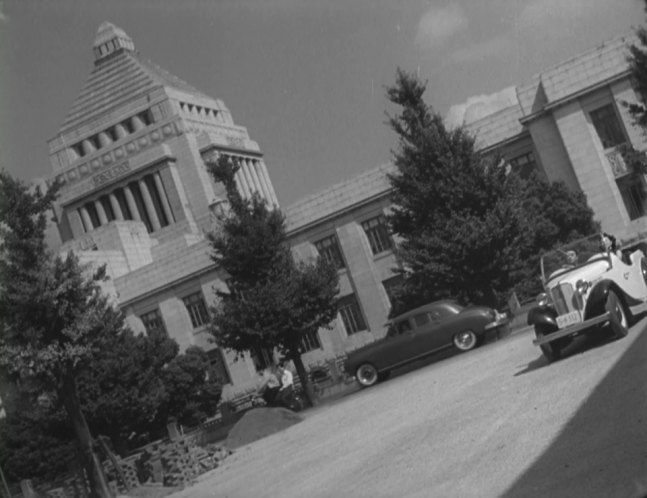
602,451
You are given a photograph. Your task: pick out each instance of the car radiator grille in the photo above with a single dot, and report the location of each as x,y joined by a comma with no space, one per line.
565,299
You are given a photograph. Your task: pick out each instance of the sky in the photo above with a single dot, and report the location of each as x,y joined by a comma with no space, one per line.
307,78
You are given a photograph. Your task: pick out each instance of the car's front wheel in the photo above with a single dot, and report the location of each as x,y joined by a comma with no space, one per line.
552,350
465,340
619,318
366,374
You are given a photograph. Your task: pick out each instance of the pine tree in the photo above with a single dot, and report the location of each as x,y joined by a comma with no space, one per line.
273,301
470,227
458,214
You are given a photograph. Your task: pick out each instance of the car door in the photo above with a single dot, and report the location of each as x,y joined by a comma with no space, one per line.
430,337
402,342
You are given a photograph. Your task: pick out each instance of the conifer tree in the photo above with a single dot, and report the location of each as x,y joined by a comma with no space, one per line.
273,301
458,214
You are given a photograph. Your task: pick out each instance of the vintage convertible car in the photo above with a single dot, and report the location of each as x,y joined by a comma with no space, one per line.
588,285
421,332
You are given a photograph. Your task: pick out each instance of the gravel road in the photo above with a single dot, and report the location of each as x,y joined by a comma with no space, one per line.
497,421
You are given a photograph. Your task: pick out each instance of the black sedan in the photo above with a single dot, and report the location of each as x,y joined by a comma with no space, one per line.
421,332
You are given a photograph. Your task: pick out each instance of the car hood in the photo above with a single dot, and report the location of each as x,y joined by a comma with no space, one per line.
591,271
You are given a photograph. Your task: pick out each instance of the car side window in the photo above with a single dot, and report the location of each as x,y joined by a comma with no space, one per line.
404,326
421,319
435,315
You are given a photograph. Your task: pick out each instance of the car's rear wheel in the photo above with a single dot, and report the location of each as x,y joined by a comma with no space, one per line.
619,318
366,374
551,350
465,340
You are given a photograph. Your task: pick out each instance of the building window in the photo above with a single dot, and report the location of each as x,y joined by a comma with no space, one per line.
392,287
607,125
329,250
377,233
632,190
153,322
310,341
351,314
262,358
218,365
524,164
197,309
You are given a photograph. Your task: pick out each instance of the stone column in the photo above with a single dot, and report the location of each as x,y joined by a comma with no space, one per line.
244,167
242,184
87,146
262,188
132,205
104,139
148,204
116,208
163,199
103,219
87,221
137,122
262,174
121,131
268,180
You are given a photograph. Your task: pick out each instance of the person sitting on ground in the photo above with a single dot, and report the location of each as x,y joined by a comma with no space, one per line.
287,385
270,385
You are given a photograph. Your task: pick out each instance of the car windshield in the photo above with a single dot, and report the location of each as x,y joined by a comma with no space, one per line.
572,255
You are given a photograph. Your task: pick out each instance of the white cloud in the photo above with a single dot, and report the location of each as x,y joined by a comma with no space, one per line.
440,23
3,17
479,106
499,46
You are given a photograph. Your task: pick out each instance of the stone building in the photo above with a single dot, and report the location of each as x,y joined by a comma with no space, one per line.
137,197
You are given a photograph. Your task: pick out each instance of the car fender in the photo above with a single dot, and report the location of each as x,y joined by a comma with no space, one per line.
542,315
595,304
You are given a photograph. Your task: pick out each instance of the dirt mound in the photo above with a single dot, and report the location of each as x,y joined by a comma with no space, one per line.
258,423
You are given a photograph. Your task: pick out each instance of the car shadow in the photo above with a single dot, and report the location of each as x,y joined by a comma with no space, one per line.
580,345
600,451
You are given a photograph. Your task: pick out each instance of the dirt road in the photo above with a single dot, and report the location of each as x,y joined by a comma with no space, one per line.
497,421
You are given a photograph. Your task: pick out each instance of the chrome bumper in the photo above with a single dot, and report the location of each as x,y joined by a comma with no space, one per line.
573,329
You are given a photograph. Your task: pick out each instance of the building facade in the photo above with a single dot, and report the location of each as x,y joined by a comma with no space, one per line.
137,196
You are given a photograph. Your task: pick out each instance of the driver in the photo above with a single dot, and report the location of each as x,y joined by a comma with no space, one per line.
571,257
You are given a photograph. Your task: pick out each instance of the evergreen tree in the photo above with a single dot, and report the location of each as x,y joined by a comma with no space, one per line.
636,160
638,68
459,215
51,312
470,228
272,300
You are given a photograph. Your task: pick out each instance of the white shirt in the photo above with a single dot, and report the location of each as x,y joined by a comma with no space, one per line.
286,379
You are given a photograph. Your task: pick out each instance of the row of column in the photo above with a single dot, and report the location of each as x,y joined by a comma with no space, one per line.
154,216
253,177
106,137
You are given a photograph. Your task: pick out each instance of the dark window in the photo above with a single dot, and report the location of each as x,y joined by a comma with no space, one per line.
404,326
392,287
329,250
219,365
421,320
606,123
524,164
197,309
632,189
378,234
351,314
310,341
262,358
153,322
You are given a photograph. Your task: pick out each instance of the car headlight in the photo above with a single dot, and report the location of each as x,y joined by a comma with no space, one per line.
542,299
582,286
